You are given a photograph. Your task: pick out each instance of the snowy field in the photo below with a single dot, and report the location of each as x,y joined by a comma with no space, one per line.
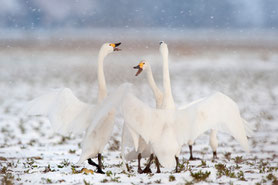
30,153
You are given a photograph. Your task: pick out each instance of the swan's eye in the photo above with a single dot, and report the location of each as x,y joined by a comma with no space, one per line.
113,45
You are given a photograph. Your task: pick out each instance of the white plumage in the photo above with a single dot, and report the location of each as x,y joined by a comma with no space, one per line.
65,112
68,114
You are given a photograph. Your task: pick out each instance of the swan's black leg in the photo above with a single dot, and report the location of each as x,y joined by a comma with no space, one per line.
139,164
157,165
215,155
100,166
191,154
147,169
177,164
91,162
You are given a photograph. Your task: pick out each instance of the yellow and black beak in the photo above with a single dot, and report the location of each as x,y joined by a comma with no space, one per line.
115,45
139,67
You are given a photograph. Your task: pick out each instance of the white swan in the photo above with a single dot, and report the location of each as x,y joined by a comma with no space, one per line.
167,88
145,66
163,101
141,148
68,114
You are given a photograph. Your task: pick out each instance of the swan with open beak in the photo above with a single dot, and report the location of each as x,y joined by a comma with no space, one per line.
115,45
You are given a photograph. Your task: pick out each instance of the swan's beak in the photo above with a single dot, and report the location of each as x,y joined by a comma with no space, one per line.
115,46
139,69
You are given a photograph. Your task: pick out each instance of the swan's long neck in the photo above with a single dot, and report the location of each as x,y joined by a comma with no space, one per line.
102,91
155,89
168,101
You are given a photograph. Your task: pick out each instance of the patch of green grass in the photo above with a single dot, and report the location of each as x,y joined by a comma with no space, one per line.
158,181
189,183
72,151
48,169
203,164
86,183
172,178
228,155
64,139
31,142
4,170
240,176
271,177
108,173
113,177
238,159
30,163
64,163
184,165
7,179
73,170
104,181
200,176
223,170
46,180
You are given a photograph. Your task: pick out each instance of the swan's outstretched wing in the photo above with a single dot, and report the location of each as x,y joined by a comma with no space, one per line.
65,112
214,112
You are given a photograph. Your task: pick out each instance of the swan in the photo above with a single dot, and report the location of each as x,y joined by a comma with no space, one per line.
142,149
163,100
145,66
67,114
213,141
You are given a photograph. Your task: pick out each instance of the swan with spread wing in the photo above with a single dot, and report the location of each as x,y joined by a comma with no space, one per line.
141,148
67,114
163,101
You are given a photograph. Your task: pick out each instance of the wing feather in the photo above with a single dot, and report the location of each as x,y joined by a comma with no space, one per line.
214,112
66,113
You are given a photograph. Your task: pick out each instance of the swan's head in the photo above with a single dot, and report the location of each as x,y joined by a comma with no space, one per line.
163,48
109,48
141,66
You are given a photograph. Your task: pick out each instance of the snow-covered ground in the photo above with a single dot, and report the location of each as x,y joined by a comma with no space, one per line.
30,153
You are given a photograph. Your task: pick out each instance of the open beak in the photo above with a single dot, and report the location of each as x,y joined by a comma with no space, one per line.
139,70
116,45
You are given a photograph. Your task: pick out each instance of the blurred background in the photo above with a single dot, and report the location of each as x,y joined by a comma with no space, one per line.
58,41
227,14
108,19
